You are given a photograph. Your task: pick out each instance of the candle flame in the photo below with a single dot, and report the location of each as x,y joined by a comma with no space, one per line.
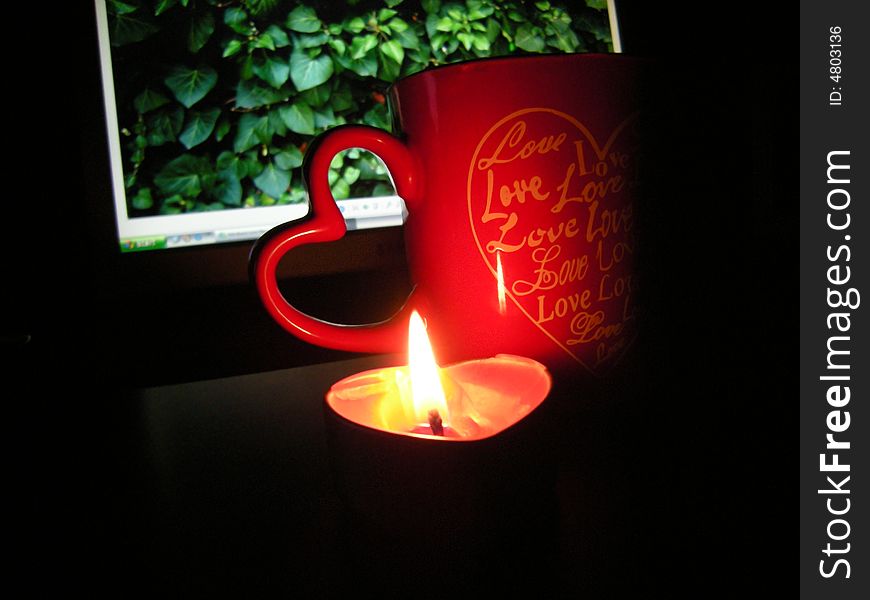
427,393
502,303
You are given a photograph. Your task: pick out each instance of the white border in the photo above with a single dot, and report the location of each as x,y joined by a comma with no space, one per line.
614,26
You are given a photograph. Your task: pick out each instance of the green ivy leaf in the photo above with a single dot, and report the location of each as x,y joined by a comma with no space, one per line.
222,129
595,24
397,25
246,66
529,38
455,12
289,158
116,7
465,38
385,14
360,46
276,123
313,40
199,126
393,3
377,117
364,67
125,27
228,188
342,99
431,25
163,125
431,6
263,42
324,118
273,180
237,20
273,71
338,45
355,25
383,189
181,176
190,85
388,70
407,38
252,130
444,44
251,164
340,189
480,42
143,199
278,35
562,38
137,156
370,166
303,19
163,6
227,160
298,117
493,29
350,174
597,4
418,59
317,96
444,24
201,28
148,100
307,72
232,48
249,94
295,196
393,50
479,10
173,205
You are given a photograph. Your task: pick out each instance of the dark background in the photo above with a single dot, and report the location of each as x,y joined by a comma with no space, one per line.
700,443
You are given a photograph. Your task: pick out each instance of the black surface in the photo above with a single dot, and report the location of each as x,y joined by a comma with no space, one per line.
225,487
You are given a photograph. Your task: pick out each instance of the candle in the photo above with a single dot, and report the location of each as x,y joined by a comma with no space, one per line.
447,465
467,401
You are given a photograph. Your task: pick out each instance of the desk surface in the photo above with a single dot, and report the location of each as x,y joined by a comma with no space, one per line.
225,485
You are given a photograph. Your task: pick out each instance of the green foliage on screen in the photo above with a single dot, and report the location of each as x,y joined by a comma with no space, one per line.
219,99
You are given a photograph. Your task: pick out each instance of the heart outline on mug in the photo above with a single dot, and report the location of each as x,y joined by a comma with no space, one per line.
495,265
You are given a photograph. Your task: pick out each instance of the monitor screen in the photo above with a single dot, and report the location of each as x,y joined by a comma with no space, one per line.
210,106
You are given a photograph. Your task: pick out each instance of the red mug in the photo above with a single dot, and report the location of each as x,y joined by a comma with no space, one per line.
520,178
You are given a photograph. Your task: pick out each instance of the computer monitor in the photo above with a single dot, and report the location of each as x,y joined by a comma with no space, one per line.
209,107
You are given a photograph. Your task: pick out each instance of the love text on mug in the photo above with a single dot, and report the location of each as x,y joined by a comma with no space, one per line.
551,208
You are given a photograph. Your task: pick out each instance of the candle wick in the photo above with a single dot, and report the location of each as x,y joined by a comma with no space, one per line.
435,422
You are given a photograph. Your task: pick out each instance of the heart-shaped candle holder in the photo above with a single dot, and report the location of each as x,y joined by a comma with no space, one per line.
453,497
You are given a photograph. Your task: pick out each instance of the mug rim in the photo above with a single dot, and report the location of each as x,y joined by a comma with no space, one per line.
595,56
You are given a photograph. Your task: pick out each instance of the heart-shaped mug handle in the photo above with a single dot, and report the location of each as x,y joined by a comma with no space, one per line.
325,223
